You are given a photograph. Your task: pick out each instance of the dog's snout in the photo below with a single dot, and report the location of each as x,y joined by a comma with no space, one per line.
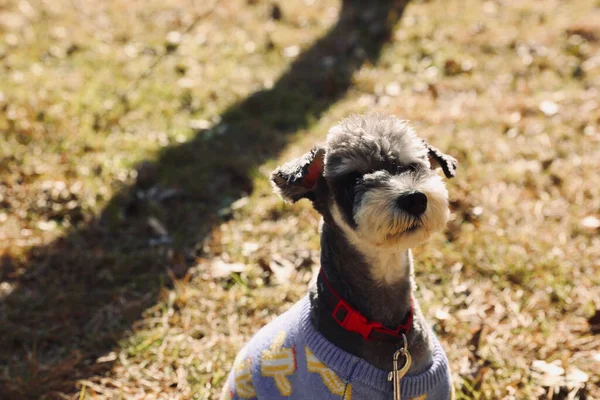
413,203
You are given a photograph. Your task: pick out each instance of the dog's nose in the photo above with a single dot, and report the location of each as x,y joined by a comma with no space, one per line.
413,203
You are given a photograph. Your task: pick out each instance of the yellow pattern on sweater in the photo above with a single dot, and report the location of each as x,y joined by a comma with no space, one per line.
278,362
243,377
330,378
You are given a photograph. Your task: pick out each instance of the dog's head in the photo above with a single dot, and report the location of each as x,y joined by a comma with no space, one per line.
374,179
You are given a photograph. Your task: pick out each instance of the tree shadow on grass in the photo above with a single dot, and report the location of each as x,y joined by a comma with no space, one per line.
82,292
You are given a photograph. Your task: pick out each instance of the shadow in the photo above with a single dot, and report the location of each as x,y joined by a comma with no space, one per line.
81,293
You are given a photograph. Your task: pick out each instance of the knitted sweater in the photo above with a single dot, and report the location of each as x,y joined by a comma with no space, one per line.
289,358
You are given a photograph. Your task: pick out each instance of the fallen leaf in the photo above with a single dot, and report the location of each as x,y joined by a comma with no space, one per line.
157,227
559,384
590,222
451,67
594,322
173,38
199,124
221,269
291,51
393,89
276,13
442,314
549,108
249,247
47,226
240,203
282,268
112,356
5,289
548,369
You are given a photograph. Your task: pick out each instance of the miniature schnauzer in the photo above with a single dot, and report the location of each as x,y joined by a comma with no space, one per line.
359,333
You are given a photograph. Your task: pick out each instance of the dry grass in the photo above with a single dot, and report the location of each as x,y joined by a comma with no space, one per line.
122,279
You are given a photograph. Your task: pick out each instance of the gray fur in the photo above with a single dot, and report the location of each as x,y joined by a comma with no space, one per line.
366,142
369,161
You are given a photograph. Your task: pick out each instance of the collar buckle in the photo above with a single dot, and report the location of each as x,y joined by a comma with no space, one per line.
353,321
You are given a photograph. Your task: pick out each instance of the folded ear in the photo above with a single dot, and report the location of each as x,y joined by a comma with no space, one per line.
439,159
298,178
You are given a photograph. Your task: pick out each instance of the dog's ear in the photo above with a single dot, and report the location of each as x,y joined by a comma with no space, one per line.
439,159
298,178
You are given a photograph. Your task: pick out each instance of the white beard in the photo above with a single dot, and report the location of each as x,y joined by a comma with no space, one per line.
384,233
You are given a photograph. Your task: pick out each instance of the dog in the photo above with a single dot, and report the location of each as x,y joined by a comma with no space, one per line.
359,333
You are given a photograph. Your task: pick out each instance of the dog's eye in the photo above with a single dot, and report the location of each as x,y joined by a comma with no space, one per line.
407,168
350,179
354,178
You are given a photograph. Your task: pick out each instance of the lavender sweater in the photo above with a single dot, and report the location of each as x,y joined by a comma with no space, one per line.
288,358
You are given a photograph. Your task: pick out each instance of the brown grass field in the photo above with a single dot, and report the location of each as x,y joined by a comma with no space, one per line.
141,244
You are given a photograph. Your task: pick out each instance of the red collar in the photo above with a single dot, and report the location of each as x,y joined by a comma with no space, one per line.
352,320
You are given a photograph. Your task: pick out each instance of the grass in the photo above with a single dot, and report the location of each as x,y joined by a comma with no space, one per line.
140,243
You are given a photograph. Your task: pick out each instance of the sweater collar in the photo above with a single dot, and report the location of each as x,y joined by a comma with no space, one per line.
355,369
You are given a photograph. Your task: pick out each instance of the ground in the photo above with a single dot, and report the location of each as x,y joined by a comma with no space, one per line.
141,244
